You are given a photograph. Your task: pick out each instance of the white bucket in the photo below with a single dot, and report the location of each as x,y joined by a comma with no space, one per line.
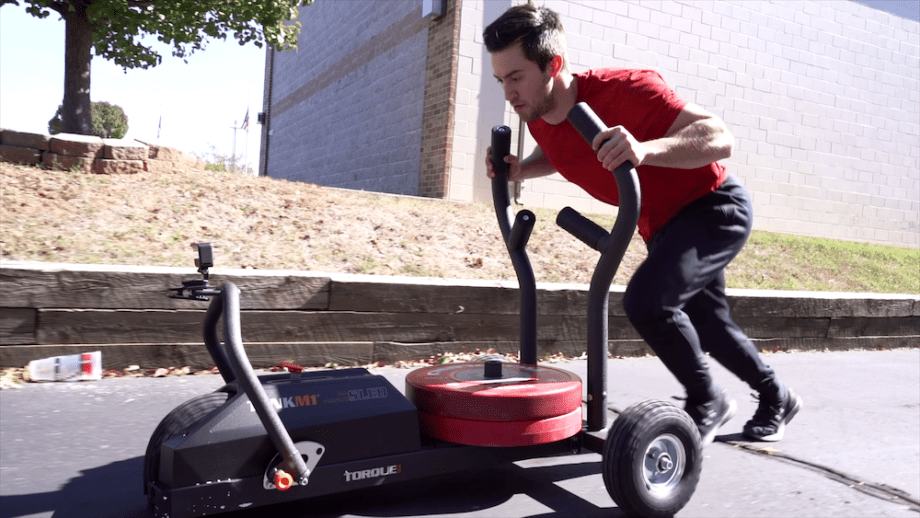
71,367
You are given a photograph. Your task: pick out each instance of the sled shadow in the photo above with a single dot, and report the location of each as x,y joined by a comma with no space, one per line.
482,492
115,491
110,491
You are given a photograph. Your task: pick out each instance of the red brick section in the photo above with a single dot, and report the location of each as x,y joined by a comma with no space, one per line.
440,101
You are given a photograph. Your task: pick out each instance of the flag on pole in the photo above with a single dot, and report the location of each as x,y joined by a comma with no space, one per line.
245,125
159,127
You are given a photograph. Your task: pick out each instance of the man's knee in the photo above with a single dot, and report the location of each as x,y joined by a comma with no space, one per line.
641,307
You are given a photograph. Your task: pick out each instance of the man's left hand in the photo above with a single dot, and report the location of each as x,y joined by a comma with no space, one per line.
617,145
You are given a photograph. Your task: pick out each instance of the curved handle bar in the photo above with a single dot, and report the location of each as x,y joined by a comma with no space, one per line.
588,124
515,231
612,247
227,304
587,231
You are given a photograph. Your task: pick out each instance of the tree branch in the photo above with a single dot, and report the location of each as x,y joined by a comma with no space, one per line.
58,6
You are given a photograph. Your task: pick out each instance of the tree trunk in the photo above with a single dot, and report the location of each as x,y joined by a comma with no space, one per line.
77,116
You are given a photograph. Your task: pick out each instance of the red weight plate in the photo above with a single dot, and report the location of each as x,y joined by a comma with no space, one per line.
498,433
523,393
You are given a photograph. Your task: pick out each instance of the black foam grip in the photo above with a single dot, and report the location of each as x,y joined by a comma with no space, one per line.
501,147
586,122
587,231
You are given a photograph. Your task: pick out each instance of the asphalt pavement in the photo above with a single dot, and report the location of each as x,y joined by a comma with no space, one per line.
75,450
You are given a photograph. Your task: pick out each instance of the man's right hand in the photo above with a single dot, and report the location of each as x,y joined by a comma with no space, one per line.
514,166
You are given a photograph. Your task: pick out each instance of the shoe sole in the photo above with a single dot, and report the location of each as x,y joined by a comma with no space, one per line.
729,413
781,431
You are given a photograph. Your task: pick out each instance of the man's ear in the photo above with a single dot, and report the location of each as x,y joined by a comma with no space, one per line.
555,65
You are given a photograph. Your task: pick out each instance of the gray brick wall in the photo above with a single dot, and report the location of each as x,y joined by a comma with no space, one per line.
347,107
823,98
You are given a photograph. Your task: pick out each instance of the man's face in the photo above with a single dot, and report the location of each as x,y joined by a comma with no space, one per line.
526,87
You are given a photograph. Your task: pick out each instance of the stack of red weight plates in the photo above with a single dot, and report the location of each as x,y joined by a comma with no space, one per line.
526,405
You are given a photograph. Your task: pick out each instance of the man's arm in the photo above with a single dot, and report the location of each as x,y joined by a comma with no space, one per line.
695,139
534,166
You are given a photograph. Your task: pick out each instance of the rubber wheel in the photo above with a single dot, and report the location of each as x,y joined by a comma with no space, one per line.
174,424
652,459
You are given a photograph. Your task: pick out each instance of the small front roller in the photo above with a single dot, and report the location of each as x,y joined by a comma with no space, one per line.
652,459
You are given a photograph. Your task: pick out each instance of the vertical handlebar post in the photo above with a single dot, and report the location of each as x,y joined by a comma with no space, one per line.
612,248
515,231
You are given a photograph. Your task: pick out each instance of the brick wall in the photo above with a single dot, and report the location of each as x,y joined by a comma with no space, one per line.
440,92
823,98
346,109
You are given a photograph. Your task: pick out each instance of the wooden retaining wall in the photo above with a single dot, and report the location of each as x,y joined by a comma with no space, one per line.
311,318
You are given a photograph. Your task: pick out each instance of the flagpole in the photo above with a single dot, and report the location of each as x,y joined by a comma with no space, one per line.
246,153
245,127
233,153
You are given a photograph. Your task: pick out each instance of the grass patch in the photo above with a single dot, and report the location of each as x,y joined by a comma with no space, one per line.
777,261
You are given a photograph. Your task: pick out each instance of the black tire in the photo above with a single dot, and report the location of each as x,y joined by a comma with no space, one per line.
652,459
176,423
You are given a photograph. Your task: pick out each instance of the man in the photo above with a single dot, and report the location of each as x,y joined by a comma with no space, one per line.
695,218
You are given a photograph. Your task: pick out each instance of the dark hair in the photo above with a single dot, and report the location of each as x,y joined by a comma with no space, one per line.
538,29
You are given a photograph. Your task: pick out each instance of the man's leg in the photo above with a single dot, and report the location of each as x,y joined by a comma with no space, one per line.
727,343
721,337
684,258
678,305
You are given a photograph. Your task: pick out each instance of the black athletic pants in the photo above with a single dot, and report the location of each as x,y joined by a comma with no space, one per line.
676,299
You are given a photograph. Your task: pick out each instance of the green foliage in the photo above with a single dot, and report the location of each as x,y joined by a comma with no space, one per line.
109,120
217,161
115,30
186,25
56,124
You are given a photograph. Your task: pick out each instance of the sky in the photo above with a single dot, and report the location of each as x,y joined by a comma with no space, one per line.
200,102
904,8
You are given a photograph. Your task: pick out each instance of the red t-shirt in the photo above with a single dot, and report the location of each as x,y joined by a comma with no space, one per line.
641,102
